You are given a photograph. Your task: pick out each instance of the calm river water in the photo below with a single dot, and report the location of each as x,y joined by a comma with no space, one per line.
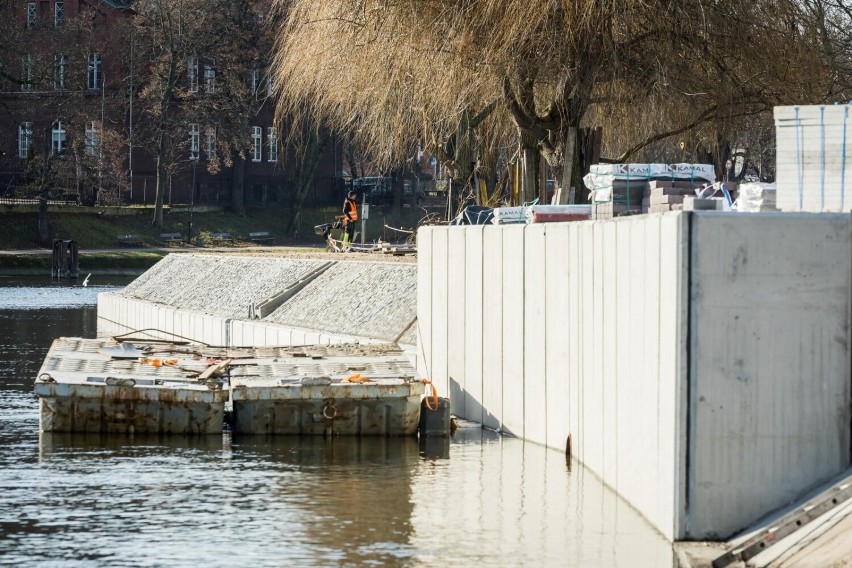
83,500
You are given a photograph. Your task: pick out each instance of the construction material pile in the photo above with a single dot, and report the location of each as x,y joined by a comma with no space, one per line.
814,166
755,197
624,189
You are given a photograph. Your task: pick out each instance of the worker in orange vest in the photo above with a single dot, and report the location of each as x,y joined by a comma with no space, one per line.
350,215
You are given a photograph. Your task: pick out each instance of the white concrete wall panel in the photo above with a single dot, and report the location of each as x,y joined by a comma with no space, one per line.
535,264
632,388
770,363
611,350
473,313
440,295
576,332
673,405
559,333
424,300
513,329
592,439
456,319
492,327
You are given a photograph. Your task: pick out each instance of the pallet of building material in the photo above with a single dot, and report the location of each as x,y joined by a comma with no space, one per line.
625,194
665,199
756,197
509,215
555,213
605,175
814,157
660,191
677,184
610,210
661,208
702,204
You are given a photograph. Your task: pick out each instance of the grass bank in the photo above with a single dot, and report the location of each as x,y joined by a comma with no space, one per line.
99,228
131,262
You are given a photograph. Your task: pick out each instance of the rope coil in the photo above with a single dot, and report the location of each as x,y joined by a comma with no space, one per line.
429,384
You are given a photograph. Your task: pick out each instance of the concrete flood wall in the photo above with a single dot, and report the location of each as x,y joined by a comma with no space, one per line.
699,363
208,298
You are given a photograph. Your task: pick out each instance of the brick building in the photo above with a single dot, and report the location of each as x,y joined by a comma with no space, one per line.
70,97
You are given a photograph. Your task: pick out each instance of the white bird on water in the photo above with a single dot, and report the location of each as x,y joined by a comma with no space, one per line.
86,280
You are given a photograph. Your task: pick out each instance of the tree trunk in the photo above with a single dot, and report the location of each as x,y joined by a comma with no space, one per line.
43,229
567,165
238,185
309,158
160,191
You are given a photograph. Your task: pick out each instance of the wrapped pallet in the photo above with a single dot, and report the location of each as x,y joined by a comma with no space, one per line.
622,189
755,197
555,213
814,168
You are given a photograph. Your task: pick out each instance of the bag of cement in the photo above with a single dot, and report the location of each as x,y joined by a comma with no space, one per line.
755,197
509,215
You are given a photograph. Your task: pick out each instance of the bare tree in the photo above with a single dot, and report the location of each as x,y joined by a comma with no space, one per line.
392,72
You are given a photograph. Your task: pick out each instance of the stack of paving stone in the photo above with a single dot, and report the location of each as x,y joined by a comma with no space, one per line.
756,197
625,189
814,157
664,196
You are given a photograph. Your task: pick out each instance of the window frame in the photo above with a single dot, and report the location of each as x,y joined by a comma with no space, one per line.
94,73
58,138
25,139
60,71
257,143
209,78
58,14
93,139
194,141
211,143
272,137
254,81
192,73
27,64
32,15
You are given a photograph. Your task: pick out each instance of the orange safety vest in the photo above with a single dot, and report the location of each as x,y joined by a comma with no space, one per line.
353,209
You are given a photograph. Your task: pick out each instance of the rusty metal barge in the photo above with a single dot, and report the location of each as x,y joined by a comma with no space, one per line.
154,386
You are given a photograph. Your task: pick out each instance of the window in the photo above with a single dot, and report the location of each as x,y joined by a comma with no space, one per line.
269,85
27,72
58,14
58,138
272,136
192,74
60,71
254,82
31,15
25,139
93,140
96,76
256,143
194,135
211,144
209,78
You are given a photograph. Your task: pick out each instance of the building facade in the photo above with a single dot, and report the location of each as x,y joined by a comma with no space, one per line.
79,114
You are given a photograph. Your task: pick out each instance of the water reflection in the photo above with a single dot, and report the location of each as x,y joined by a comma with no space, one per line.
89,499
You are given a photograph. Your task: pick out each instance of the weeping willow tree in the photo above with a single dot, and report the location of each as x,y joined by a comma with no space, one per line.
448,73
527,75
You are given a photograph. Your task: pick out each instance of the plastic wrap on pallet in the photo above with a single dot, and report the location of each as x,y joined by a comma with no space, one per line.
555,213
509,215
754,197
602,176
814,157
